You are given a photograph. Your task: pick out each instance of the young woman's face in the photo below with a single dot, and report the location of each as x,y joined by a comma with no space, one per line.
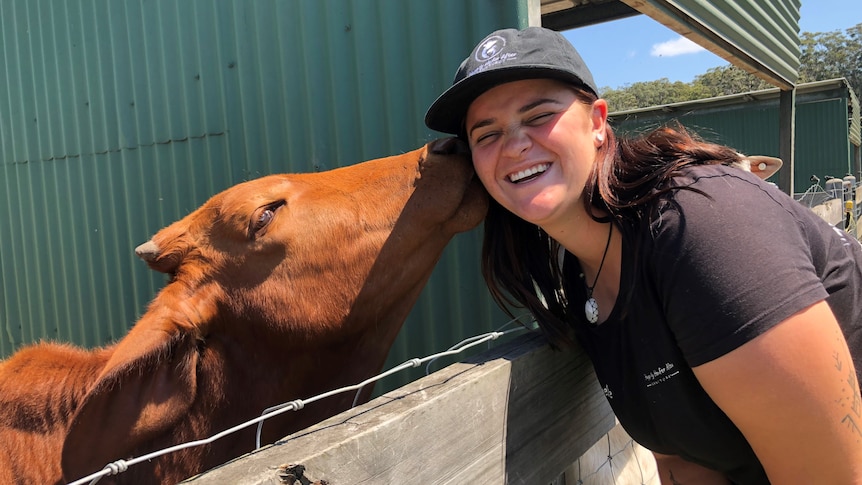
534,144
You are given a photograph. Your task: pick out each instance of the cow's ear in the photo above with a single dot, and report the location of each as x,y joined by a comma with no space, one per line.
148,385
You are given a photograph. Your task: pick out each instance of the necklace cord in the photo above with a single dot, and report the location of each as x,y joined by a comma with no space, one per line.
602,263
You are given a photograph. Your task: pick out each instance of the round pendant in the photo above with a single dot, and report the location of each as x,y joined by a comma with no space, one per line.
591,309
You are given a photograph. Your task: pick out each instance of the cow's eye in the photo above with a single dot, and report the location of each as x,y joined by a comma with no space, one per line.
262,218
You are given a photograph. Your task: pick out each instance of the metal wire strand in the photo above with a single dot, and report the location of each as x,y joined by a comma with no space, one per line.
120,466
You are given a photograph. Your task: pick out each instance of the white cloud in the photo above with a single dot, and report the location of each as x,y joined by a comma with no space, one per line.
676,47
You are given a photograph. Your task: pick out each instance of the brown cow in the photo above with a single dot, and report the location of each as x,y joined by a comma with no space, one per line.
281,288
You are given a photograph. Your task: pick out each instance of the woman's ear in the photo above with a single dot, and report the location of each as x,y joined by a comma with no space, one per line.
599,116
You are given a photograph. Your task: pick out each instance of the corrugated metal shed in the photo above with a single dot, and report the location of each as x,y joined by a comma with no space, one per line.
761,36
827,125
119,117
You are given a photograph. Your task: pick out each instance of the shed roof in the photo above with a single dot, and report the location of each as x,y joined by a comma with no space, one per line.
760,36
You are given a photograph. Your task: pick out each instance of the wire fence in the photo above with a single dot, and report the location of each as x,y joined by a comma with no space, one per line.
616,459
845,190
121,466
814,195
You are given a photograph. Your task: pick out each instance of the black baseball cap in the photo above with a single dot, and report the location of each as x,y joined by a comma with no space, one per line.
504,56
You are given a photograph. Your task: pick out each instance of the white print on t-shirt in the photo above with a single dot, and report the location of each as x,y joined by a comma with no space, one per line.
661,374
845,238
608,393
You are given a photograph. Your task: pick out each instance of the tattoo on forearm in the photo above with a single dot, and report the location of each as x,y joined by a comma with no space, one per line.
853,417
856,400
851,423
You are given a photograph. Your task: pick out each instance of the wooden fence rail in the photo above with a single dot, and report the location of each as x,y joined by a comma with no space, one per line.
518,413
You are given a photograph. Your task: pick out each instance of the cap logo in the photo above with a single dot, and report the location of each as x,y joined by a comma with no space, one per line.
489,54
490,48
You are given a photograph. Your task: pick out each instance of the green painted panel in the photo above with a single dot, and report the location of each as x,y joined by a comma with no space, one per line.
749,123
118,117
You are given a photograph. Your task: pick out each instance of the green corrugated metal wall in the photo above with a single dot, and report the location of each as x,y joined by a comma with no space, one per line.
119,117
823,145
763,34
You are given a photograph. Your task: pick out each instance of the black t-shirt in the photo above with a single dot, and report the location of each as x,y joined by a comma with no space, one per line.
714,272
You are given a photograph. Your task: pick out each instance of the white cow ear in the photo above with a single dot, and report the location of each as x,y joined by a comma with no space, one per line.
148,385
763,166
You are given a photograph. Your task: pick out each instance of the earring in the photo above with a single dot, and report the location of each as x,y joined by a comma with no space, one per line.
600,138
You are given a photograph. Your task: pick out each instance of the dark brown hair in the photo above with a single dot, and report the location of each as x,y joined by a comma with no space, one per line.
520,261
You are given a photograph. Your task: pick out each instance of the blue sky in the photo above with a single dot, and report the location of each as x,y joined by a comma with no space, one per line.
640,49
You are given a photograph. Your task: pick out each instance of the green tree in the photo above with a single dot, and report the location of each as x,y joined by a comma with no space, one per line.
725,80
827,55
651,93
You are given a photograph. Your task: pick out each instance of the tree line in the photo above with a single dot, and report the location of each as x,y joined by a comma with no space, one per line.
824,55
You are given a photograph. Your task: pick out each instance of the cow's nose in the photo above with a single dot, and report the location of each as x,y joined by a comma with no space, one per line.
148,251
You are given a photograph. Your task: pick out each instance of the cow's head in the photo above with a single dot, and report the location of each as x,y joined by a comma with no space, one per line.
330,261
297,250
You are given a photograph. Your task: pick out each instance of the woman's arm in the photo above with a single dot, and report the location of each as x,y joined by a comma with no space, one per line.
794,395
673,470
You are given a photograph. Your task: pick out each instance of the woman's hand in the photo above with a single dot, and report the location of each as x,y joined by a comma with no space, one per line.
673,470
794,395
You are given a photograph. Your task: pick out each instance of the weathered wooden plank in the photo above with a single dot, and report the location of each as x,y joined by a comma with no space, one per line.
519,413
831,211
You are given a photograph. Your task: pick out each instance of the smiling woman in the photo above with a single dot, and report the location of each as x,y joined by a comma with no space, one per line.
548,118
661,239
